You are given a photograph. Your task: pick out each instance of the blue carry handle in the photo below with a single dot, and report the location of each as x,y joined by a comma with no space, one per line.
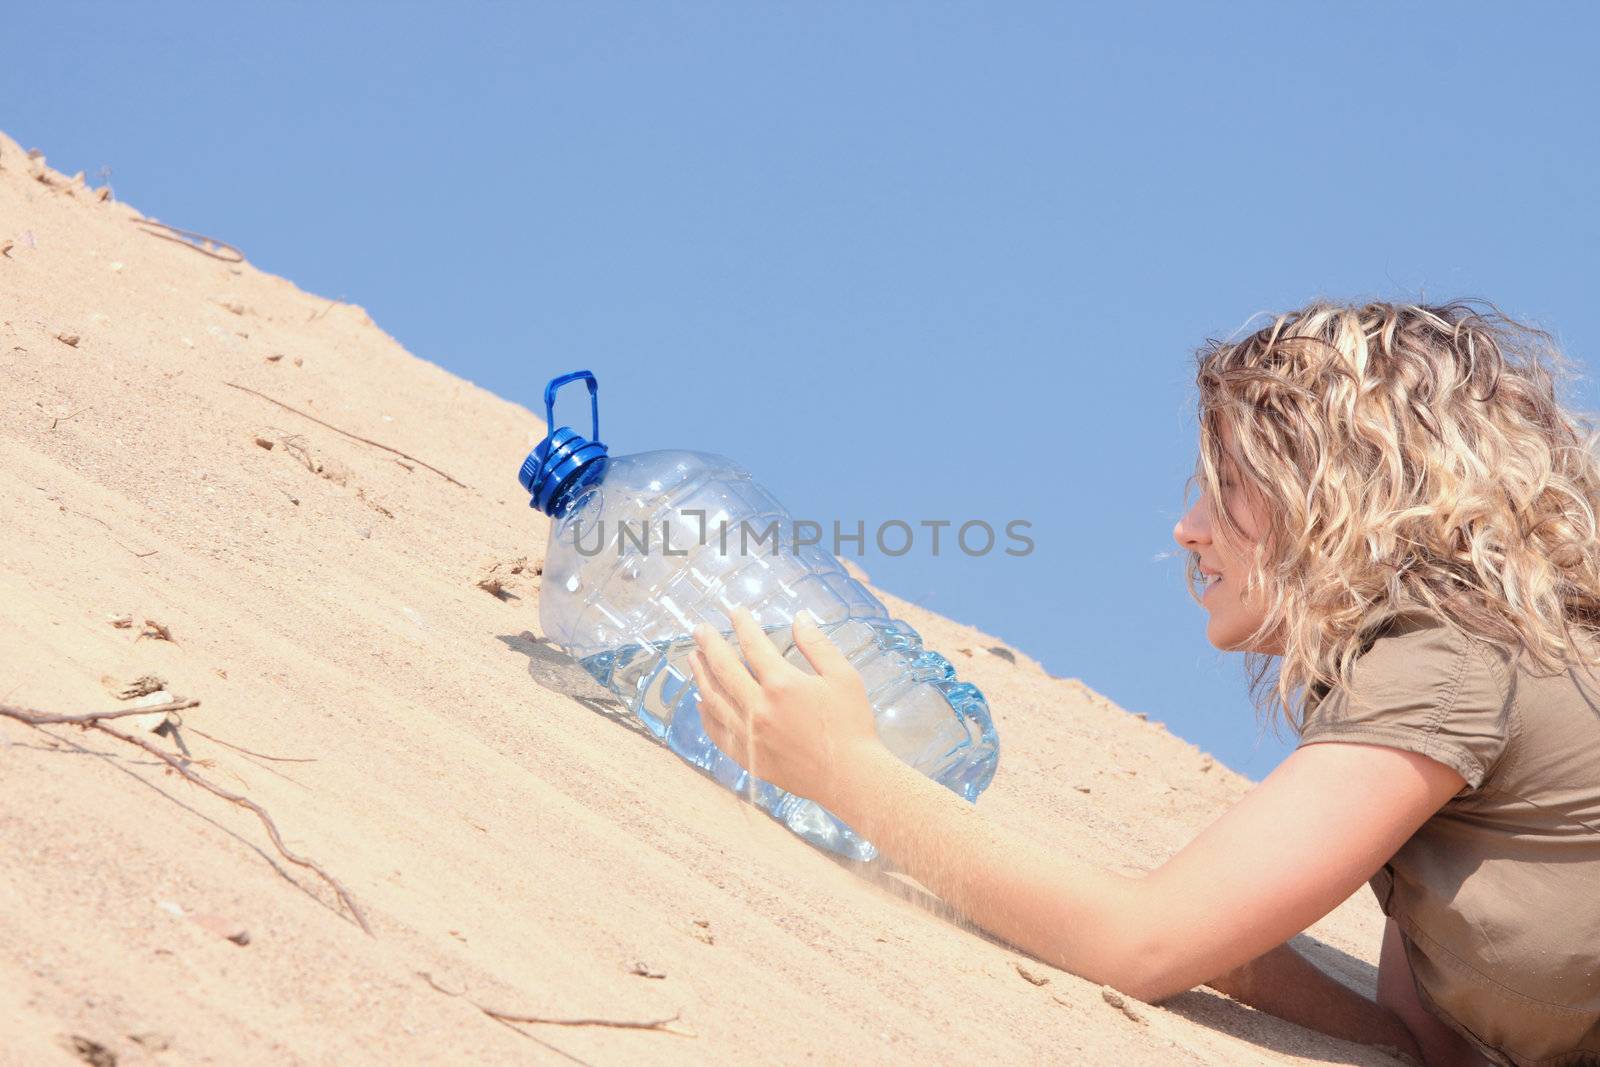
550,400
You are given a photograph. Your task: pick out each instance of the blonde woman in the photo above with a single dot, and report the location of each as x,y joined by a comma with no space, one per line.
1397,525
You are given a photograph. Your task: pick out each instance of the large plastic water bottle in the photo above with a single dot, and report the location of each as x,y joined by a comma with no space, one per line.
645,547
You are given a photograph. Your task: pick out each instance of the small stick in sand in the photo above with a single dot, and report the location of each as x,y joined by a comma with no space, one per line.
544,1020
38,719
246,751
346,433
208,246
616,1024
102,522
59,419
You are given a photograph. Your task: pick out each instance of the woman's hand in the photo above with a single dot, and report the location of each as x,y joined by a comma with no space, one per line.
804,733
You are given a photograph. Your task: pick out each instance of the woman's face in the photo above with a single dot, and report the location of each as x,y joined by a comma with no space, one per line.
1233,618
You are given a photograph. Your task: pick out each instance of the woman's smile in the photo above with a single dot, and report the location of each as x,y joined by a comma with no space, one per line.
1209,580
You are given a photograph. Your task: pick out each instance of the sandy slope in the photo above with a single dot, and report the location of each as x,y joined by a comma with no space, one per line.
520,843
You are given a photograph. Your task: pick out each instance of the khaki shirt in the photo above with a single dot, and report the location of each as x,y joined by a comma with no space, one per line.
1497,895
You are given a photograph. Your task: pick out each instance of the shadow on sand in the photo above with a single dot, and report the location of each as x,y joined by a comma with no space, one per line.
554,671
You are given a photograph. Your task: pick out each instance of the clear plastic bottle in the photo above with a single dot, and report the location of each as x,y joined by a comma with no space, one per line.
644,547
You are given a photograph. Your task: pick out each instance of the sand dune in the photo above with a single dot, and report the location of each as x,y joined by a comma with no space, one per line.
515,841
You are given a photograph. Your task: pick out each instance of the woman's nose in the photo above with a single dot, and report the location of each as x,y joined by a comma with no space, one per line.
1195,526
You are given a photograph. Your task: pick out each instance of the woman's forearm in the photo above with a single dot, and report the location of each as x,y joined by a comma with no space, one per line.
1089,921
1286,984
1073,915
815,734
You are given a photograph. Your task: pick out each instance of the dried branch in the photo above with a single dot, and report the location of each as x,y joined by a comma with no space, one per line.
137,554
616,1024
38,719
67,418
544,1020
346,433
207,246
244,802
246,751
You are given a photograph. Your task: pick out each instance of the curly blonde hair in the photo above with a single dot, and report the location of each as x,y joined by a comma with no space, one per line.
1406,457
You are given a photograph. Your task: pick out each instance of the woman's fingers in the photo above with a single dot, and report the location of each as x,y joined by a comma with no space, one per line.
766,662
724,721
717,713
824,656
714,702
725,667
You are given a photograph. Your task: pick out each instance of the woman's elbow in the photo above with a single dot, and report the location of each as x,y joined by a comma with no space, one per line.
1130,965
1146,978
1131,949
1150,964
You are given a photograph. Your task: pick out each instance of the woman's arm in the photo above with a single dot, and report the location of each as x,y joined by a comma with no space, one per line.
1284,983
1294,847
1071,914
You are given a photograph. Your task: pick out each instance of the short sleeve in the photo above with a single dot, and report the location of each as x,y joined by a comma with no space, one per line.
1426,687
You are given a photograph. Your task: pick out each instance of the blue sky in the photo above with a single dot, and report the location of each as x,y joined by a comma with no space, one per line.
916,261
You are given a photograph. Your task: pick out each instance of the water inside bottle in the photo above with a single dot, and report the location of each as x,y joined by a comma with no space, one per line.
926,718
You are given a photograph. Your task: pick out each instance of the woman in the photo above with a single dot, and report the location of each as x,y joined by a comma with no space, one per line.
1398,526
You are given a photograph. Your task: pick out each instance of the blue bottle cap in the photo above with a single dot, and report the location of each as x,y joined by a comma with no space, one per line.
565,459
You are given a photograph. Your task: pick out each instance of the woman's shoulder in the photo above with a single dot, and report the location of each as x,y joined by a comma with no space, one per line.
1425,684
1413,647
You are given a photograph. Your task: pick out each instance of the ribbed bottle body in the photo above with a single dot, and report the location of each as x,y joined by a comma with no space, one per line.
659,542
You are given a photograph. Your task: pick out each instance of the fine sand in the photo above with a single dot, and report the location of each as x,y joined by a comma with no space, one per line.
517,844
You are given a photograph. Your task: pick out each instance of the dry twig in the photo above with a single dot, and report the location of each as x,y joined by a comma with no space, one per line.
544,1020
246,751
346,433
208,246
37,719
137,554
616,1024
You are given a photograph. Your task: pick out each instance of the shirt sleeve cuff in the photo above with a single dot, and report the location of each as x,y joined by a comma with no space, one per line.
1457,759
